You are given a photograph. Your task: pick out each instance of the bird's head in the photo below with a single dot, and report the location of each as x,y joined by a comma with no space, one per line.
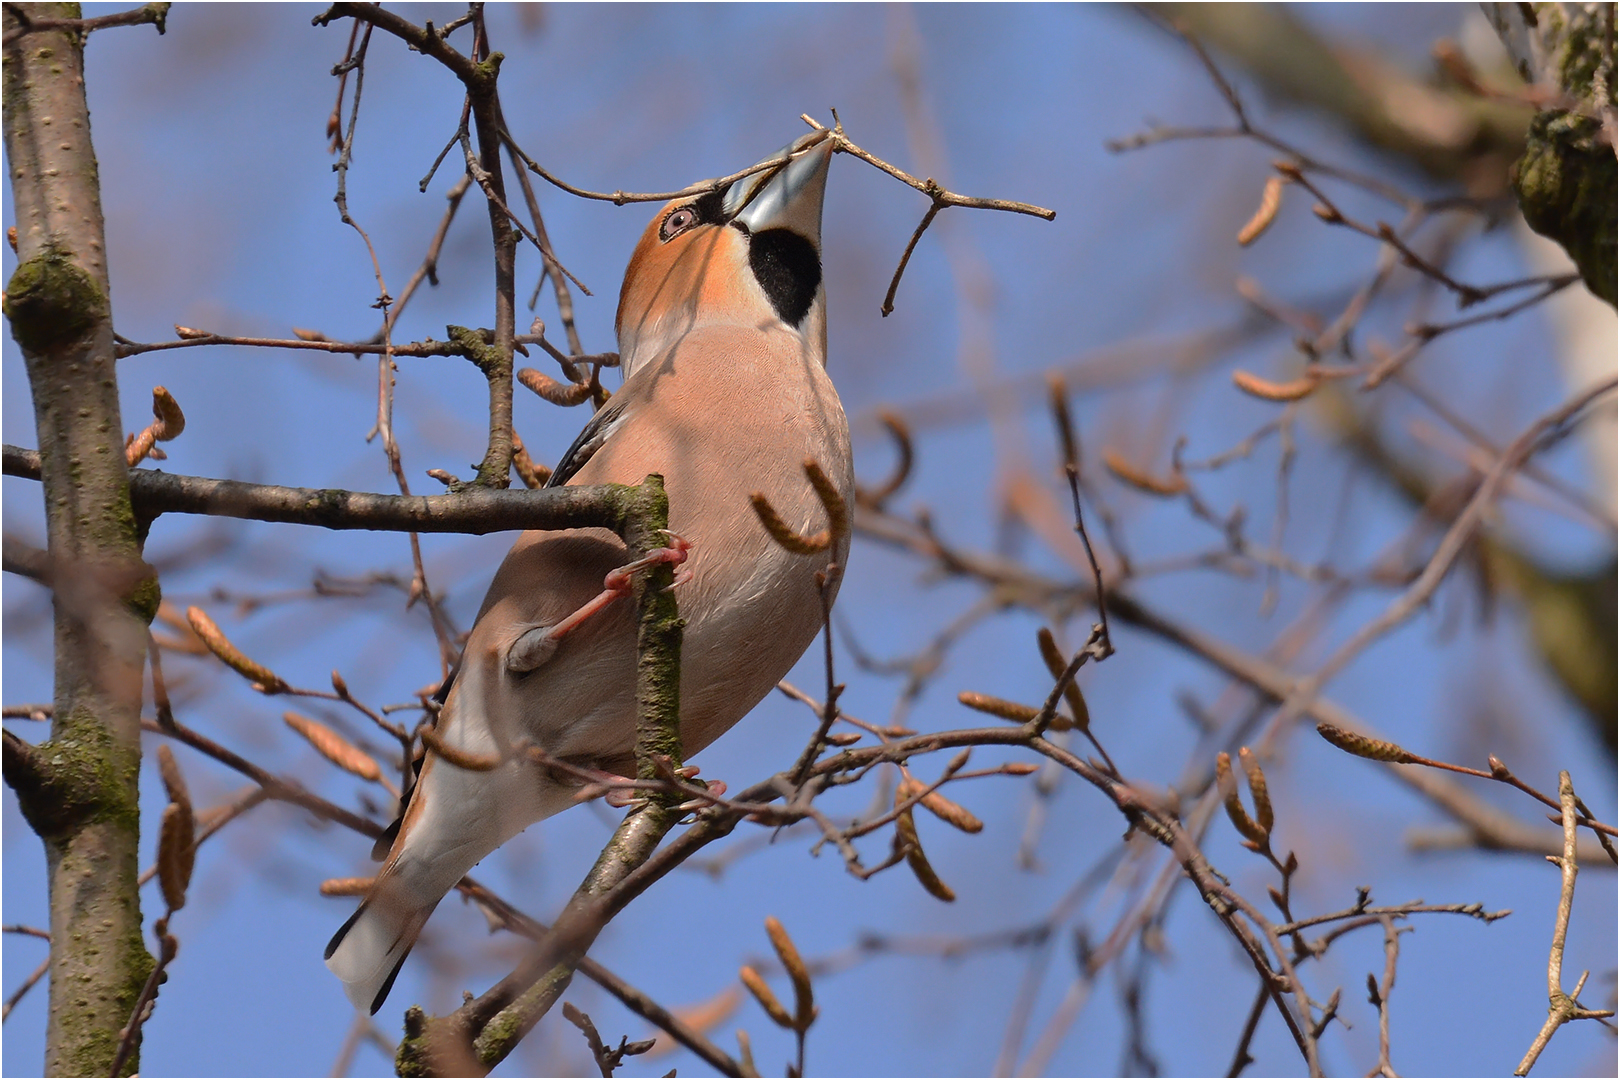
747,254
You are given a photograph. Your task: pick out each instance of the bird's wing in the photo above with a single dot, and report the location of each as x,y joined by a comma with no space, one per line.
593,438
595,435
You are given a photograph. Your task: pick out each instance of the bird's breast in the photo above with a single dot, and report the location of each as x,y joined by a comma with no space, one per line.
723,414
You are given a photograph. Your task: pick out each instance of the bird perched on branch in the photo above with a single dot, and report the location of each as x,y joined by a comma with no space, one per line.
723,337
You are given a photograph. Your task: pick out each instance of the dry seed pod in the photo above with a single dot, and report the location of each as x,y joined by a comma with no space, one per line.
170,420
793,964
925,873
947,811
702,1017
334,747
767,1000
533,475
177,853
266,681
831,501
1153,485
905,831
138,449
1263,815
558,393
782,534
1270,200
902,470
1006,710
1362,746
705,1015
1241,820
347,886
1267,390
462,759
173,782
1080,715
187,642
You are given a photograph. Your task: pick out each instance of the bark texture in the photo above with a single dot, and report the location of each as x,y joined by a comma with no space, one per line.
78,789
1566,179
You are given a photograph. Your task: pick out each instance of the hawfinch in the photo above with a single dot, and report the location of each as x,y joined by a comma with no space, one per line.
722,330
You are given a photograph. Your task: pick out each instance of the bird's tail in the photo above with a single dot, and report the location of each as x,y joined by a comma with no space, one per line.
368,950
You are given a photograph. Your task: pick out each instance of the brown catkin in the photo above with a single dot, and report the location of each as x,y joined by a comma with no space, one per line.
767,1000
1270,200
1241,821
1079,714
461,759
1255,386
347,886
1006,710
1263,814
218,644
793,964
905,829
334,747
951,813
177,853
1153,485
1362,746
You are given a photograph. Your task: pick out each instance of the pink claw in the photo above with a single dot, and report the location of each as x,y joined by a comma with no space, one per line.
617,583
674,554
683,567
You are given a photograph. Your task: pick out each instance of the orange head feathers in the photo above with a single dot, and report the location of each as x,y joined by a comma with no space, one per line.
746,255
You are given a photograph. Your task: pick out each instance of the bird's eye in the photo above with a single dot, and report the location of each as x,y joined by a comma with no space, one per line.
679,220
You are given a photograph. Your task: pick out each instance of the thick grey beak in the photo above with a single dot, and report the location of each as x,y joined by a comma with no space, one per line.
788,197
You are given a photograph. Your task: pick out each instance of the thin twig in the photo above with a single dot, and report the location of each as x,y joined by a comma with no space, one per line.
156,14
1378,993
27,985
429,270
1562,1007
168,948
1543,432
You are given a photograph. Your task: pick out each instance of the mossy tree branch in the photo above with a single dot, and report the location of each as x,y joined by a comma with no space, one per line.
472,510
1566,179
81,793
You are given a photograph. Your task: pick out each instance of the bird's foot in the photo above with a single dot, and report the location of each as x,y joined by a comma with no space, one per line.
674,554
537,645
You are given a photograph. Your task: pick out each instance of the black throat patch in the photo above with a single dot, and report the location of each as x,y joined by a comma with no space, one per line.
787,267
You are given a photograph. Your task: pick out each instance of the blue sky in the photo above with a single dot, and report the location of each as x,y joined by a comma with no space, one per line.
217,191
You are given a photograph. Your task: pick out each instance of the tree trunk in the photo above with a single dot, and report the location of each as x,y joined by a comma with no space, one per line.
1566,179
79,788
